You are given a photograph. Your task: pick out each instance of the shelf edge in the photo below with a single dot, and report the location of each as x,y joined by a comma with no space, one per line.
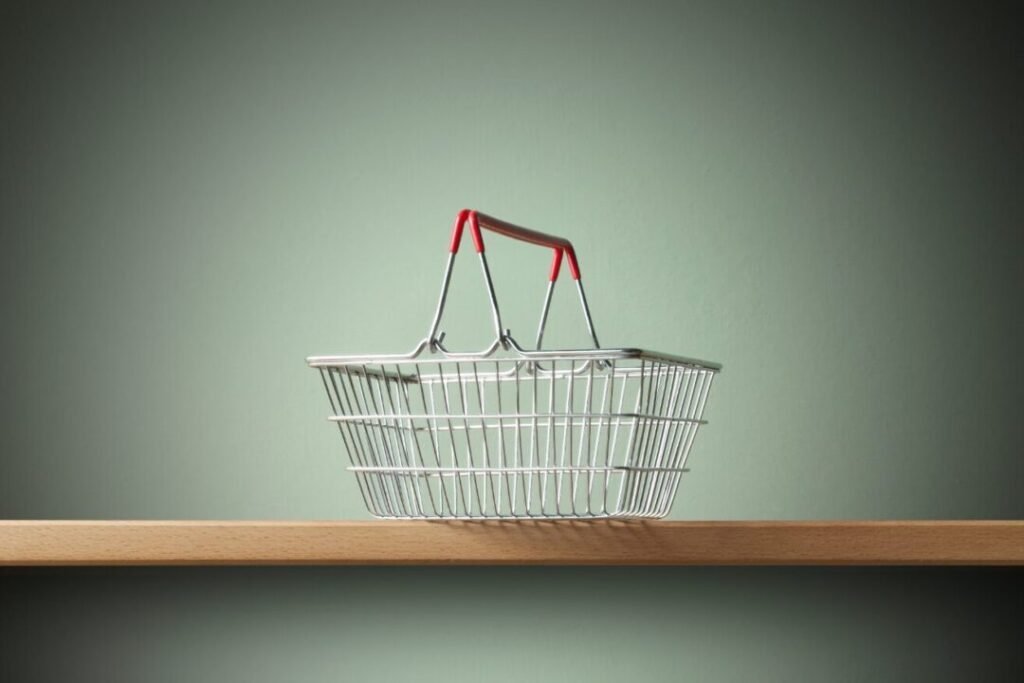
115,543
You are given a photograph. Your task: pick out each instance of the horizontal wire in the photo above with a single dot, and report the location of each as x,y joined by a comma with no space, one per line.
398,469
575,419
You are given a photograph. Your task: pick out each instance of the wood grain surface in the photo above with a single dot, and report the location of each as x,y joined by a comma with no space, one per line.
40,543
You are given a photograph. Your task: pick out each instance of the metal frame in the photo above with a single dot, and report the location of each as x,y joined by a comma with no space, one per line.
511,433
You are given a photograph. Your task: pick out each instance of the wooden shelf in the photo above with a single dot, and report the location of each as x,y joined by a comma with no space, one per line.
39,543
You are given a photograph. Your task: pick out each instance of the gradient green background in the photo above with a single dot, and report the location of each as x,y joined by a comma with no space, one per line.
827,200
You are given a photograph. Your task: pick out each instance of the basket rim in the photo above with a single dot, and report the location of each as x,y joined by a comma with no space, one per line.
514,353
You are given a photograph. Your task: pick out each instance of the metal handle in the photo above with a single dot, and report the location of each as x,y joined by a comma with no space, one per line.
561,246
479,220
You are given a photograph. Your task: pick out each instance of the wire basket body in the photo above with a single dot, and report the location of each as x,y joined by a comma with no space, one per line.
509,433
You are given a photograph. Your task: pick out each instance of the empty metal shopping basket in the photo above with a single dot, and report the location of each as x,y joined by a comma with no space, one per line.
510,433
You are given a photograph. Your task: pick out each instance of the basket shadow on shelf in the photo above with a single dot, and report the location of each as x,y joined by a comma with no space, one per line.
511,433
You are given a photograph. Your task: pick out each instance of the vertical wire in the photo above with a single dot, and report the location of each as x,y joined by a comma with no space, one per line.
488,476
513,479
650,382
655,426
611,431
409,443
628,453
502,466
534,441
456,484
687,411
549,440
435,439
419,436
693,390
596,448
585,436
389,436
566,448
668,426
383,439
374,448
422,476
384,386
706,377
647,389
651,432
672,473
360,431
613,452
470,474
355,454
664,406
664,478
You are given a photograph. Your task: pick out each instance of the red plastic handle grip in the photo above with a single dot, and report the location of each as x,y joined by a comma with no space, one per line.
479,220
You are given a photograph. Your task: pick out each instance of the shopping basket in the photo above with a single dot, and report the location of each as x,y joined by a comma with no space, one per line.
511,433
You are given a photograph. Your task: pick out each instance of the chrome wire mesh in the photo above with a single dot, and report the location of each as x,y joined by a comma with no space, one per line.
507,433
511,438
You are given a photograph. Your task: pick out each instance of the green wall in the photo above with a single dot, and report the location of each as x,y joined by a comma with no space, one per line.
195,197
